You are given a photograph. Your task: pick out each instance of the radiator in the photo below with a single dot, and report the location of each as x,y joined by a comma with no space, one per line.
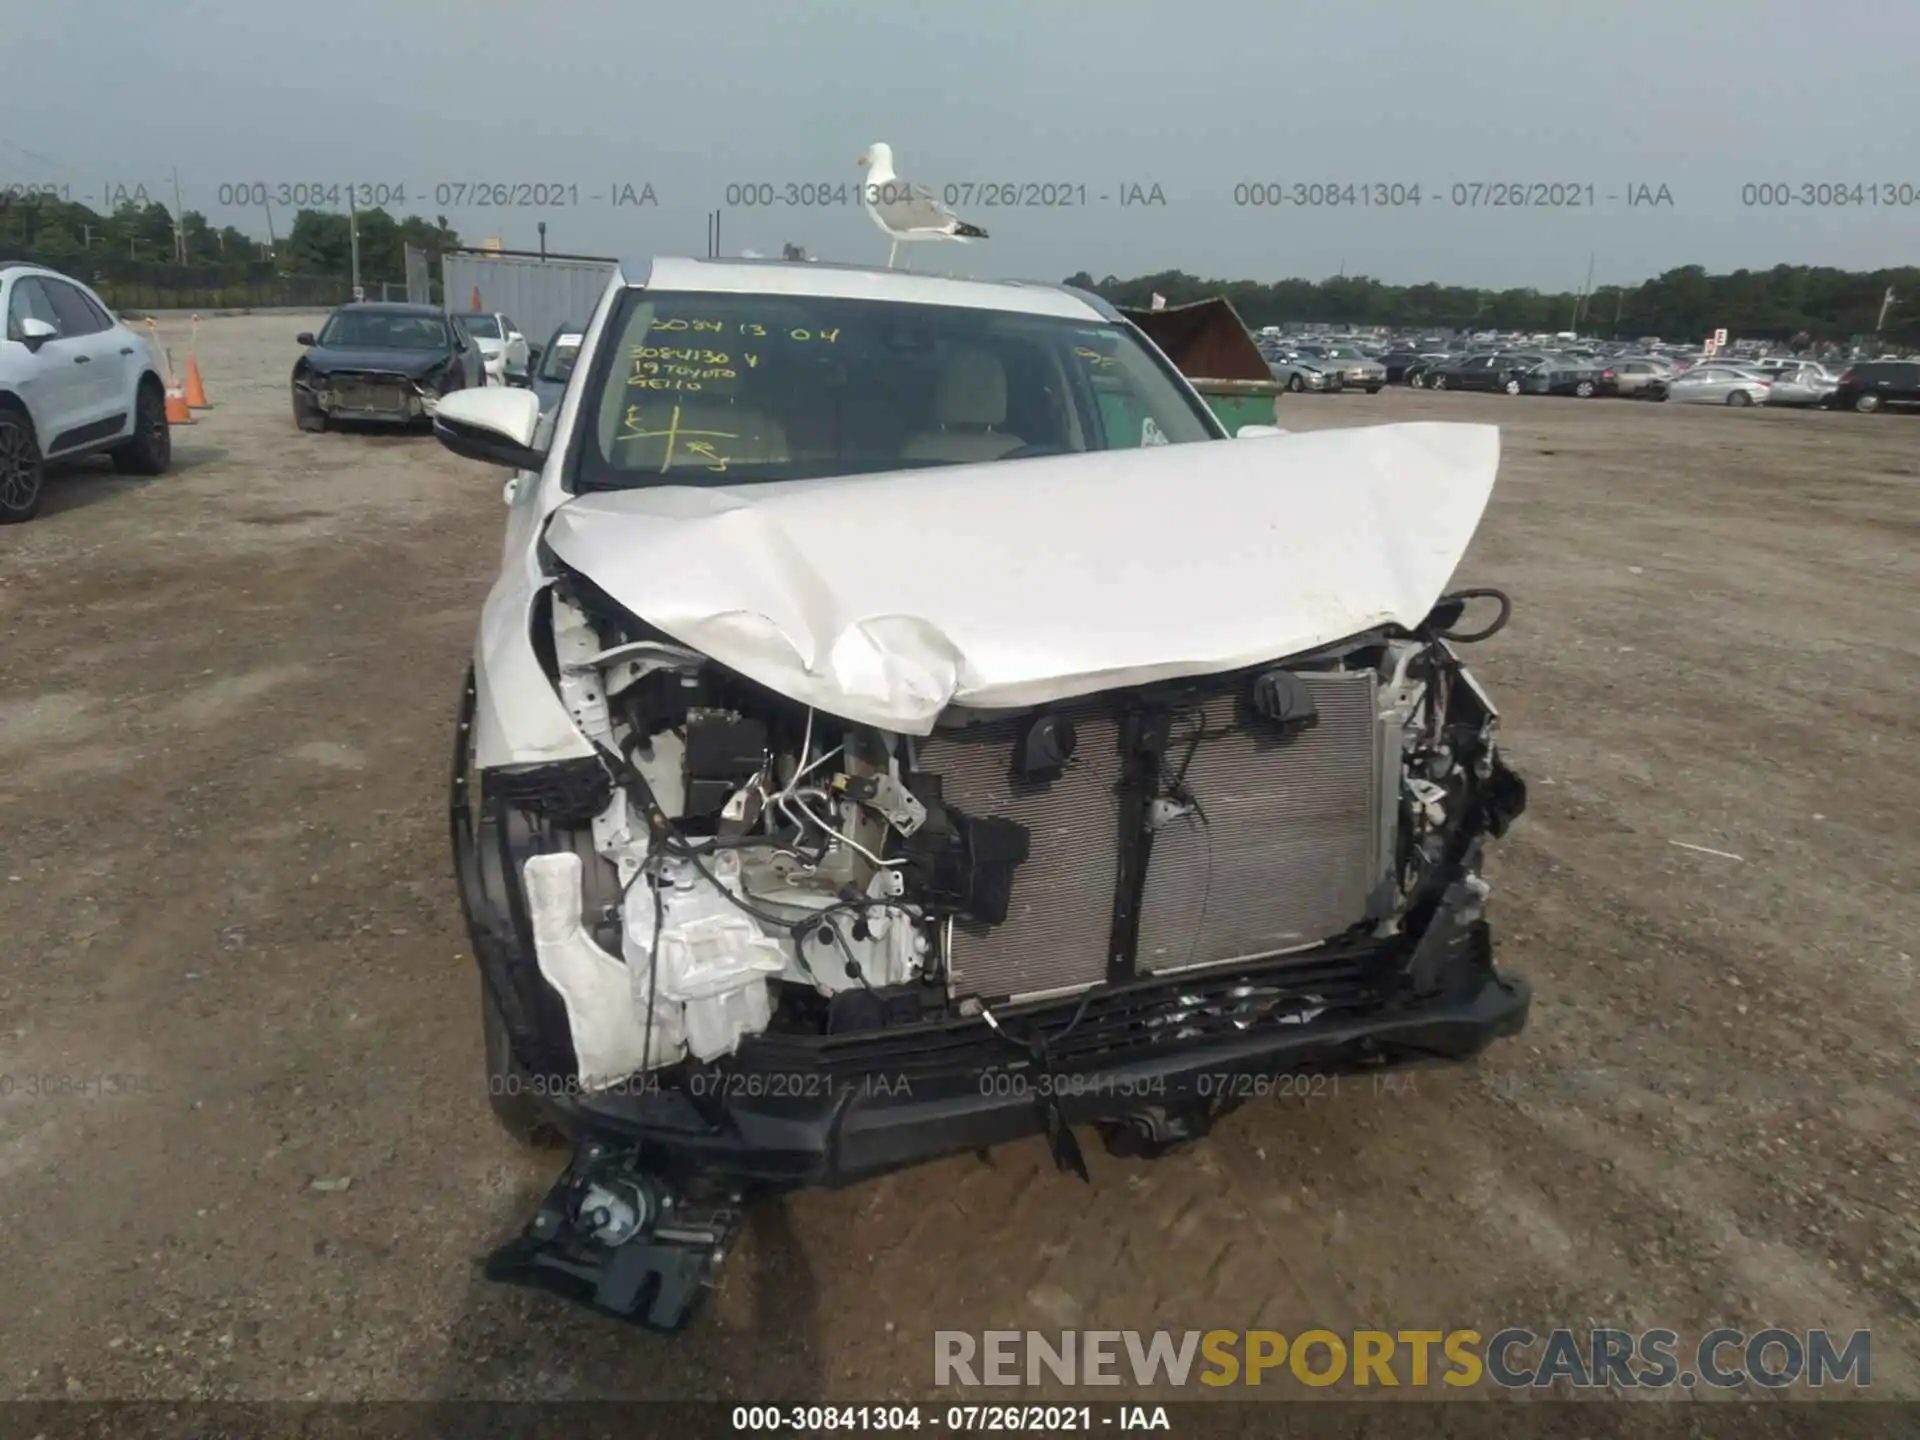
1296,838
1289,852
371,391
1055,934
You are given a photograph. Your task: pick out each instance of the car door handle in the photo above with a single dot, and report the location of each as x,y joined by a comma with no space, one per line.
83,359
126,349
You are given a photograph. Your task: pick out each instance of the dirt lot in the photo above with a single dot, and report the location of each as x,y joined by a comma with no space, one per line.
225,709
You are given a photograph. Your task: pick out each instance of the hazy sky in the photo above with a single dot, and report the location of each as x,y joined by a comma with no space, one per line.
1701,96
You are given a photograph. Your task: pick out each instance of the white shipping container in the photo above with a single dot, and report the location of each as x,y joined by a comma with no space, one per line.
538,295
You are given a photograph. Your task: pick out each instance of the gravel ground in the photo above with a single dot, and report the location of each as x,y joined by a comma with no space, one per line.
244,1146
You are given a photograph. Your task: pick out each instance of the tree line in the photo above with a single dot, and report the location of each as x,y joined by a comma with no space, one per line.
136,246
134,249
1788,301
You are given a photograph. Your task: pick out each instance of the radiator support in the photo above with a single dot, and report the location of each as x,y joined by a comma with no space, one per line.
1290,838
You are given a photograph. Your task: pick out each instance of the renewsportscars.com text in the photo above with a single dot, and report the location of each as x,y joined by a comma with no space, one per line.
1511,1358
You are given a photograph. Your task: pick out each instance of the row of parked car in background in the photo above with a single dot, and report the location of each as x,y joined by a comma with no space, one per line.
1567,366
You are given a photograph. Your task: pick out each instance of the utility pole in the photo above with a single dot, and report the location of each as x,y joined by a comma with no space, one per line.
179,220
353,245
1580,300
1886,304
543,239
1619,304
272,244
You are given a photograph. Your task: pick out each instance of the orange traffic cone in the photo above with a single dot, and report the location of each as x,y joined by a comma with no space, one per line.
476,299
196,391
177,411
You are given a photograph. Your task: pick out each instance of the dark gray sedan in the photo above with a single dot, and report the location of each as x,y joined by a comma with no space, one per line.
384,363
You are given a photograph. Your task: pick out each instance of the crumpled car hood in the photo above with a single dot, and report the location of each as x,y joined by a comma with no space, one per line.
884,599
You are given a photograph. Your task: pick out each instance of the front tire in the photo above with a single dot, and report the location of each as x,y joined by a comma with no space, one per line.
1439,382
510,1084
1739,398
150,450
511,1089
23,474
1512,387
1584,390
1866,404
1295,384
307,415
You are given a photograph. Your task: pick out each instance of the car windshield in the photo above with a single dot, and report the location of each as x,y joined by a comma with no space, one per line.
715,389
383,330
1342,352
557,363
481,327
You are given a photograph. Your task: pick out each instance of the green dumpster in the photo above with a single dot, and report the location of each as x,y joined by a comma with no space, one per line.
1208,344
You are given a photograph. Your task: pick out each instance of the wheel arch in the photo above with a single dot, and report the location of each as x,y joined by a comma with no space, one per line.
14,403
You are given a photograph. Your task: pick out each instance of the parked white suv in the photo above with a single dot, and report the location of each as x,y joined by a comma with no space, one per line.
502,347
73,381
890,687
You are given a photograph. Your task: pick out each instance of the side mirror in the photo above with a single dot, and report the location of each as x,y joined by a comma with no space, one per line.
514,337
35,332
305,337
494,424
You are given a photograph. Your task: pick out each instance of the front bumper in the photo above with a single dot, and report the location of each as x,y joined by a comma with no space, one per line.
637,1225
823,1111
392,400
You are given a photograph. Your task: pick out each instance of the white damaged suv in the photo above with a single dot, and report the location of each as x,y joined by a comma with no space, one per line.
904,722
73,381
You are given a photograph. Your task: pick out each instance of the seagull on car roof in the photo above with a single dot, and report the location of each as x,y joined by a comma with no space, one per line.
904,210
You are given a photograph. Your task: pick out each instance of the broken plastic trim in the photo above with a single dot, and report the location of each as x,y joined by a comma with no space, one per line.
619,1238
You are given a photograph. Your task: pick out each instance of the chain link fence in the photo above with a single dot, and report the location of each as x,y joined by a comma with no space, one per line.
151,285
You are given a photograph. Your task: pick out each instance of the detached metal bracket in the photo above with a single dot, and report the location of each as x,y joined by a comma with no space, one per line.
652,1265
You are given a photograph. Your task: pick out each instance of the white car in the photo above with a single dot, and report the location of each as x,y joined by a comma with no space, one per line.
73,381
503,349
905,686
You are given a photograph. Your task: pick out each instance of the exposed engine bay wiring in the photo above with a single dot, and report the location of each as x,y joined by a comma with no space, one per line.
766,830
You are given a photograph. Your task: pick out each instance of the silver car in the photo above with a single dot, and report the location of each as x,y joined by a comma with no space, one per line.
1801,382
1713,383
1356,369
1642,377
1300,369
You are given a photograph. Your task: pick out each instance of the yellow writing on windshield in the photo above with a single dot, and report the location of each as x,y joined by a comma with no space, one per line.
1093,357
753,329
685,355
646,370
677,437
